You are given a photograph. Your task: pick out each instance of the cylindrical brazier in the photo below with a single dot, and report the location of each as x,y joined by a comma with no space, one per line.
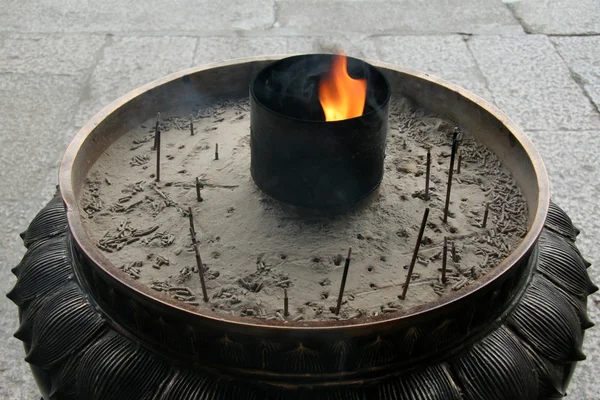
297,156
91,332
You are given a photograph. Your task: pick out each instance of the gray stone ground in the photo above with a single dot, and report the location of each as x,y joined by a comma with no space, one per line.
62,60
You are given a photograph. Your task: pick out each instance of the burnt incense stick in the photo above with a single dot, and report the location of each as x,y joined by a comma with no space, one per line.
201,272
285,303
458,165
192,227
427,174
485,215
193,235
404,144
156,130
157,136
198,195
449,187
454,252
217,151
191,125
415,253
444,259
343,285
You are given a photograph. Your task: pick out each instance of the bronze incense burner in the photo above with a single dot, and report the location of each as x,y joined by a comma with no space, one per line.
90,332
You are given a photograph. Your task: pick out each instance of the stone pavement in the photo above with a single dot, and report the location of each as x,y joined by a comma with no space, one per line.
61,61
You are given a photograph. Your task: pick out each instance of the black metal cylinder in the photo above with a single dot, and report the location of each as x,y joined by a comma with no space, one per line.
299,158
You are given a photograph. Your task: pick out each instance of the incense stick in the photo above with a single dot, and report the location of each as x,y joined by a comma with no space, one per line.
415,252
343,285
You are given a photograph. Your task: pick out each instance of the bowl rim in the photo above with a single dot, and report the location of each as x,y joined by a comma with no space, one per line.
139,290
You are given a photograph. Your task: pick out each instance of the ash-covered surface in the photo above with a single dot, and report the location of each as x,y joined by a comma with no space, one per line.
252,247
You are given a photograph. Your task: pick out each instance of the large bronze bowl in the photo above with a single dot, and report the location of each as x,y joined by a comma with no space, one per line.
92,333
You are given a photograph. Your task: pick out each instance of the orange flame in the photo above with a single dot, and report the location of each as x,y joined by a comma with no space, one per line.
342,96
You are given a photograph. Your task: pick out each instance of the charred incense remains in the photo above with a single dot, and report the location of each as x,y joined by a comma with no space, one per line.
343,284
444,259
192,228
415,253
156,131
157,136
459,162
192,235
449,187
285,303
427,174
201,272
485,215
191,125
217,151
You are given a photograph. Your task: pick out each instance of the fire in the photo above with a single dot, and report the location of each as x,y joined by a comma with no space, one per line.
342,96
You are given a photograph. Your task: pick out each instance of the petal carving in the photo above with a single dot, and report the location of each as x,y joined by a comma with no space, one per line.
412,336
199,386
266,350
50,221
65,324
232,351
378,352
30,314
63,379
548,323
561,263
558,221
341,352
431,383
497,368
550,374
42,271
578,305
117,369
302,360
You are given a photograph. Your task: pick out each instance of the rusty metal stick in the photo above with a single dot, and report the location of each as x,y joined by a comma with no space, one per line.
157,136
449,188
415,253
427,174
192,125
217,151
201,272
458,165
343,285
198,195
485,215
444,259
285,303
156,129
